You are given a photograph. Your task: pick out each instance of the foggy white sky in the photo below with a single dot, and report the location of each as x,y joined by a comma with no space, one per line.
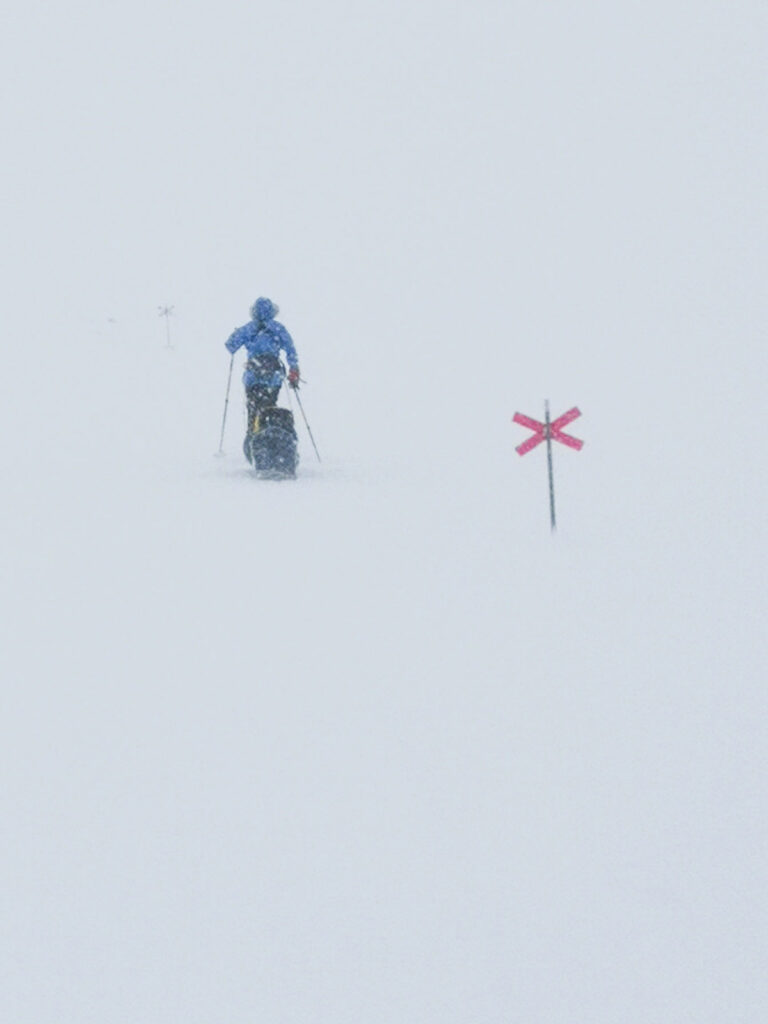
407,760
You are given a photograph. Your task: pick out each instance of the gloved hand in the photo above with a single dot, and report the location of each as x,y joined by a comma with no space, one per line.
293,378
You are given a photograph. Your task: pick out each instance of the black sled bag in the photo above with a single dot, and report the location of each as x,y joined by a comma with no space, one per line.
272,447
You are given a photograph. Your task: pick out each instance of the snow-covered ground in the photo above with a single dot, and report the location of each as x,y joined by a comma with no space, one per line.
374,745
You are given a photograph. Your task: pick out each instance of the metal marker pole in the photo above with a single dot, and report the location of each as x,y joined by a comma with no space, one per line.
166,312
549,464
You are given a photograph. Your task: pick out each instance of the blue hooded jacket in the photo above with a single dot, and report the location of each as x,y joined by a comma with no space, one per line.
263,336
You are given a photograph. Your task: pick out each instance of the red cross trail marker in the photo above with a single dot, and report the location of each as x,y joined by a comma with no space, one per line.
548,431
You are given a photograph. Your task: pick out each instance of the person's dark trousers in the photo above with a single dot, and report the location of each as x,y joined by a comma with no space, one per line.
258,398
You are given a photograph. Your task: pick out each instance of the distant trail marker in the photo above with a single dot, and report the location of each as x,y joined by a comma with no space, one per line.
548,431
167,312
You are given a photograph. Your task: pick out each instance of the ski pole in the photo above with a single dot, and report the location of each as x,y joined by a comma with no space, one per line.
226,403
288,390
306,424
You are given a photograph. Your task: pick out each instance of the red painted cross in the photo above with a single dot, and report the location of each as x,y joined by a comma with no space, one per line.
555,431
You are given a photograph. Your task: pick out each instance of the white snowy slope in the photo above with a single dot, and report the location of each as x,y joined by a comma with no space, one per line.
374,745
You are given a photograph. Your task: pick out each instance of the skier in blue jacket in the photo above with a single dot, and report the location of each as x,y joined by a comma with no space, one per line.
264,339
